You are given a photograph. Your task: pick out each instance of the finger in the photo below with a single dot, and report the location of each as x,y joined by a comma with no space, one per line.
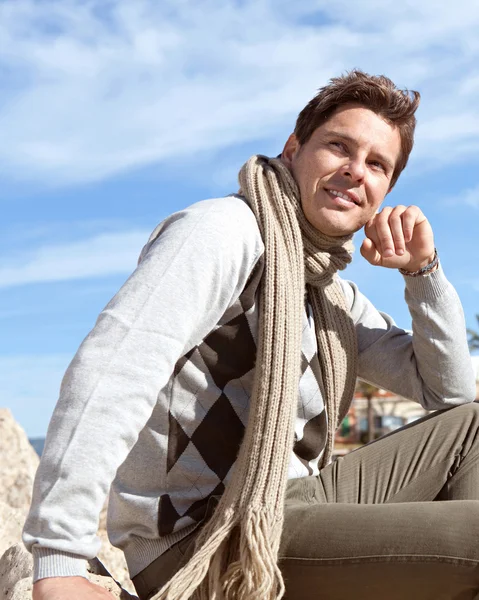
371,233
396,227
370,228
369,252
384,242
410,218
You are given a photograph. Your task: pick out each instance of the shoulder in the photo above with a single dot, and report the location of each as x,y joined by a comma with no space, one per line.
226,206
231,214
363,310
358,304
223,224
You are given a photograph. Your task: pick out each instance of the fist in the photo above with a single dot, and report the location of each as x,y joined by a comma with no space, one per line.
68,588
399,238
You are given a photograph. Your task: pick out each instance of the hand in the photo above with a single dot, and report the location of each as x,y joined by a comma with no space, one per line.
68,588
399,238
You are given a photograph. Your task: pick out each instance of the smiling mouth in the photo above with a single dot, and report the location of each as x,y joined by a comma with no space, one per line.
344,196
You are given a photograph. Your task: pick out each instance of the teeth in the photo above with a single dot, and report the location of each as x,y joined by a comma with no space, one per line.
341,195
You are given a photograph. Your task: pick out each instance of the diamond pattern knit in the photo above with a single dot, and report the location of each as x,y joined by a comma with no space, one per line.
210,393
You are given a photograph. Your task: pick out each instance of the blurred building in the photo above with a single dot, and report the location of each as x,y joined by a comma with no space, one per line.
389,413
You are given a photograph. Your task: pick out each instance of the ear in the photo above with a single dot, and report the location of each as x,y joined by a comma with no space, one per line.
290,150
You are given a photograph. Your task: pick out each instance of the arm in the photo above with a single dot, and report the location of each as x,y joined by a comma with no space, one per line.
186,280
431,366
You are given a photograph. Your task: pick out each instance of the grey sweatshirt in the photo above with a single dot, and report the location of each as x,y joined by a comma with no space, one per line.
155,401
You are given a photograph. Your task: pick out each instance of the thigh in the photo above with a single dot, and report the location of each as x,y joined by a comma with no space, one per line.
423,550
411,464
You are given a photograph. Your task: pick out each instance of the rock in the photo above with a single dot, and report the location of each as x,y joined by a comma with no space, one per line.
18,463
22,590
11,525
16,567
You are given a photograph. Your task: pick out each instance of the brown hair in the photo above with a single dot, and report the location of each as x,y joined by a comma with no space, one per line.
377,93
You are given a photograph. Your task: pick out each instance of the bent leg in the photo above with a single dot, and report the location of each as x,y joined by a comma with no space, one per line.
434,458
367,526
421,551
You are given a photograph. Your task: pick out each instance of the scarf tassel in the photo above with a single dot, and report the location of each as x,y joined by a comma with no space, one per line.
237,562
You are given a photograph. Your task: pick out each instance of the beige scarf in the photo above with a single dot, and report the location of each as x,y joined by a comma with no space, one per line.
236,552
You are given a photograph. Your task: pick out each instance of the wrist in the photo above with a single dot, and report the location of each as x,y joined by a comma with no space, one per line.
423,263
424,267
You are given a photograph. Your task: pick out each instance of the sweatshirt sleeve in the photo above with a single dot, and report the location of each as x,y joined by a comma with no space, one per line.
193,270
431,364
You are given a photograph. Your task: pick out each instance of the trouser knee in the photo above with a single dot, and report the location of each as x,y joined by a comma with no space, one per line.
468,412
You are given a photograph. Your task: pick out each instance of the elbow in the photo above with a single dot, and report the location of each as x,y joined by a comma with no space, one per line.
462,395
470,392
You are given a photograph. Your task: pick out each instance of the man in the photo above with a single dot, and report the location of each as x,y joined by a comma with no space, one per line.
185,394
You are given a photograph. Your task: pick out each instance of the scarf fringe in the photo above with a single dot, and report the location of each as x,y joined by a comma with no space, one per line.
256,575
237,562
188,579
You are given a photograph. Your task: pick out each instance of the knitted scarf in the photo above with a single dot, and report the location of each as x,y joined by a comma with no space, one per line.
236,551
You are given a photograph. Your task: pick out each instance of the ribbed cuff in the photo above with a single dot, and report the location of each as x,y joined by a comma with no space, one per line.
54,563
428,287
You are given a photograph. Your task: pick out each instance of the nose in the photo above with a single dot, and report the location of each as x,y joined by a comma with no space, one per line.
355,169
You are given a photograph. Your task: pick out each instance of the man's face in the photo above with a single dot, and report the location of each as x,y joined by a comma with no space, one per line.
344,170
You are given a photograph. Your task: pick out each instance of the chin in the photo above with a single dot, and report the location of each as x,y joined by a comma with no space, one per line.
335,229
333,223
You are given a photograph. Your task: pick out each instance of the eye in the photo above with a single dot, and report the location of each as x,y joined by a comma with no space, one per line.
378,165
340,145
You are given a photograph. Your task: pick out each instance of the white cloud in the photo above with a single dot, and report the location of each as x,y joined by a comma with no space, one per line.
29,386
98,256
471,85
97,88
469,197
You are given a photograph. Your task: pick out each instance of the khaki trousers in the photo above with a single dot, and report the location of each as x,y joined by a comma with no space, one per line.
397,519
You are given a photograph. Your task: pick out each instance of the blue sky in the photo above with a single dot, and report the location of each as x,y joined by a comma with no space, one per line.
114,114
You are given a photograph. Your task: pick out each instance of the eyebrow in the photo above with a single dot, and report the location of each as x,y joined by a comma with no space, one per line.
348,138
